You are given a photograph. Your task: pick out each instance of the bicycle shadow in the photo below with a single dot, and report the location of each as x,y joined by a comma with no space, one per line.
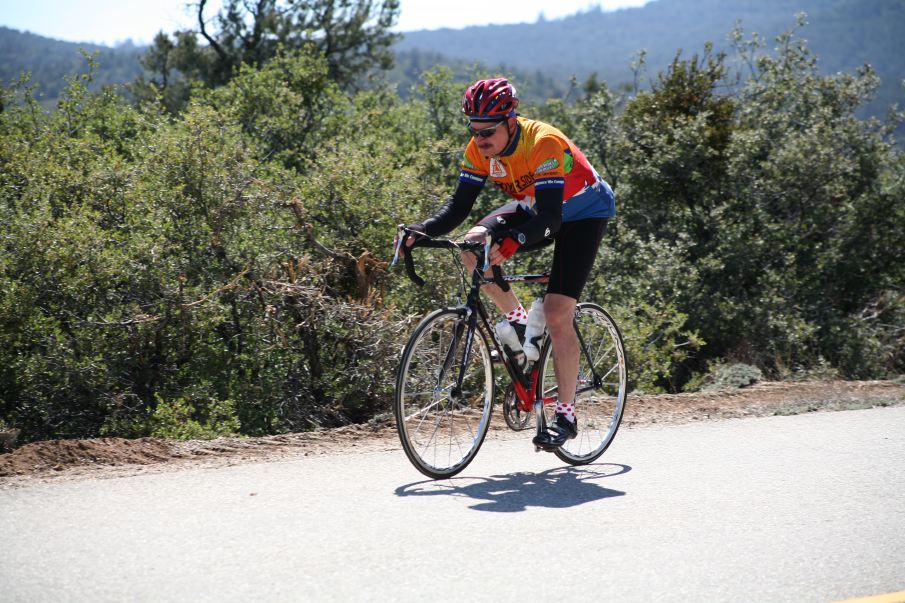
555,488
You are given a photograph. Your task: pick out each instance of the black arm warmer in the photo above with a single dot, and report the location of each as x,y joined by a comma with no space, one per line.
548,205
454,211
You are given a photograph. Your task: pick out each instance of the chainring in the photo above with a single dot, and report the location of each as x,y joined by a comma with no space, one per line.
516,419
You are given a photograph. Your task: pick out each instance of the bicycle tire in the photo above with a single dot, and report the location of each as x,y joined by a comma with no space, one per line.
441,431
598,410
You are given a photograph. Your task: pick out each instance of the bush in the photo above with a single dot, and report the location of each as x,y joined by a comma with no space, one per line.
185,419
776,201
146,279
224,270
731,376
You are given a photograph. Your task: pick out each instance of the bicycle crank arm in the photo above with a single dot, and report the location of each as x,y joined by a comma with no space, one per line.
541,421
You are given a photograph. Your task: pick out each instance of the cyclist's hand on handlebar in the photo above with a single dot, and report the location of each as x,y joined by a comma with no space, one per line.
410,238
505,247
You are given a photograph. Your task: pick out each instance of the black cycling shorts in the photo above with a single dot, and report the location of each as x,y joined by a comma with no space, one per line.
575,251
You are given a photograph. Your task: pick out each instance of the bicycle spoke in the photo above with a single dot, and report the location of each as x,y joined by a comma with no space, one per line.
421,423
441,432
423,411
601,363
609,372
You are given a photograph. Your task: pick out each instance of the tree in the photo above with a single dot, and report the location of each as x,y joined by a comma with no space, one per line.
353,35
170,66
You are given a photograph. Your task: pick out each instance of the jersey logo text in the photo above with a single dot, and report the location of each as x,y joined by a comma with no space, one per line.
496,168
550,164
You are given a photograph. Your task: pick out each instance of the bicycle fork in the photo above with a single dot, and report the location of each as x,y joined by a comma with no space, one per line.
466,354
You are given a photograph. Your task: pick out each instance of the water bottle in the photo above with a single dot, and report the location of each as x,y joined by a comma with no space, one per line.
534,332
510,341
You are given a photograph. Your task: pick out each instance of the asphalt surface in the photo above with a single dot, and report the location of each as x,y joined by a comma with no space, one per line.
801,508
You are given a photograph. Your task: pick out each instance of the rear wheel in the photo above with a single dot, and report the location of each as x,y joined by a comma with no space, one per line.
601,389
442,426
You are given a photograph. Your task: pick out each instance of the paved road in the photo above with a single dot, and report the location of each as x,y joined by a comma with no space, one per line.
804,508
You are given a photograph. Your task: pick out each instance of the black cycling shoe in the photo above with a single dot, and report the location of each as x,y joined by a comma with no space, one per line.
558,433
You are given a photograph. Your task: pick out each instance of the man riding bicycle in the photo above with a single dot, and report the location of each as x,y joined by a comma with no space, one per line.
559,199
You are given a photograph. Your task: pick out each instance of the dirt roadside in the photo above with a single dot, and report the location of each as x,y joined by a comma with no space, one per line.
64,460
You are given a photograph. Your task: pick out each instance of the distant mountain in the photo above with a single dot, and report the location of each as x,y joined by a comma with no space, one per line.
50,61
541,57
844,34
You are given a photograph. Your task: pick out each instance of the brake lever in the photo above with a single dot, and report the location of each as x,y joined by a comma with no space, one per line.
400,239
497,271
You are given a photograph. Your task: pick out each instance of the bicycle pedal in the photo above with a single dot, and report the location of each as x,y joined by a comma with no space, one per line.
543,446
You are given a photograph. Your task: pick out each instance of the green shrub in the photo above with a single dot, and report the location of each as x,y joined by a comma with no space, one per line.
225,270
731,376
187,419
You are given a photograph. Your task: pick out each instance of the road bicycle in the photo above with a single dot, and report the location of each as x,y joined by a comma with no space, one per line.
445,388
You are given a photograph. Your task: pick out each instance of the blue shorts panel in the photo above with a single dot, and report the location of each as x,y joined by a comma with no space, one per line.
597,201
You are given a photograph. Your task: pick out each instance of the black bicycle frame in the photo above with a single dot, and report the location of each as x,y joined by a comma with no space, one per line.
474,307
598,382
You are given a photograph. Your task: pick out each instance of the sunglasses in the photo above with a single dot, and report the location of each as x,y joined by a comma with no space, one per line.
485,132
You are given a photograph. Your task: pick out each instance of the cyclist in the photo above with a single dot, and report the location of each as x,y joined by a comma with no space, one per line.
559,199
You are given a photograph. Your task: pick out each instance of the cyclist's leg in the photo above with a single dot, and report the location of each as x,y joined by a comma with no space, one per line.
506,301
559,311
573,258
509,216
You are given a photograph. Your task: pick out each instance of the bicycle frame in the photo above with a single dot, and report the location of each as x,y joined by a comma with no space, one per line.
436,411
523,384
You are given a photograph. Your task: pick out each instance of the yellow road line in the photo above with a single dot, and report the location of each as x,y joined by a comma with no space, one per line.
898,597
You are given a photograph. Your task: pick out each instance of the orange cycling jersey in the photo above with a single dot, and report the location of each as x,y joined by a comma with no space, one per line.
539,157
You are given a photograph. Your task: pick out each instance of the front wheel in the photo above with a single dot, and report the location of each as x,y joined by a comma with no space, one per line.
442,425
601,388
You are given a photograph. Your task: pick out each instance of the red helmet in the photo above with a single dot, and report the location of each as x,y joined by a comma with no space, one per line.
490,100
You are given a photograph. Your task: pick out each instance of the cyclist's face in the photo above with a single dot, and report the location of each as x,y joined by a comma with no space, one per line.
496,142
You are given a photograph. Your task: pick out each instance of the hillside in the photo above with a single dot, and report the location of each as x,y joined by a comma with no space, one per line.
50,61
218,267
542,56
844,34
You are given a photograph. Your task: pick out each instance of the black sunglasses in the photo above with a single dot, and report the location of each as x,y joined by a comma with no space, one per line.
485,132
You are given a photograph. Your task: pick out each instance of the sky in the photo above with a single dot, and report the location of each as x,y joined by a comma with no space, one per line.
111,22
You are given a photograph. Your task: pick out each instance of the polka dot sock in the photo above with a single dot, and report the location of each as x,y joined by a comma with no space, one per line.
518,316
566,408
